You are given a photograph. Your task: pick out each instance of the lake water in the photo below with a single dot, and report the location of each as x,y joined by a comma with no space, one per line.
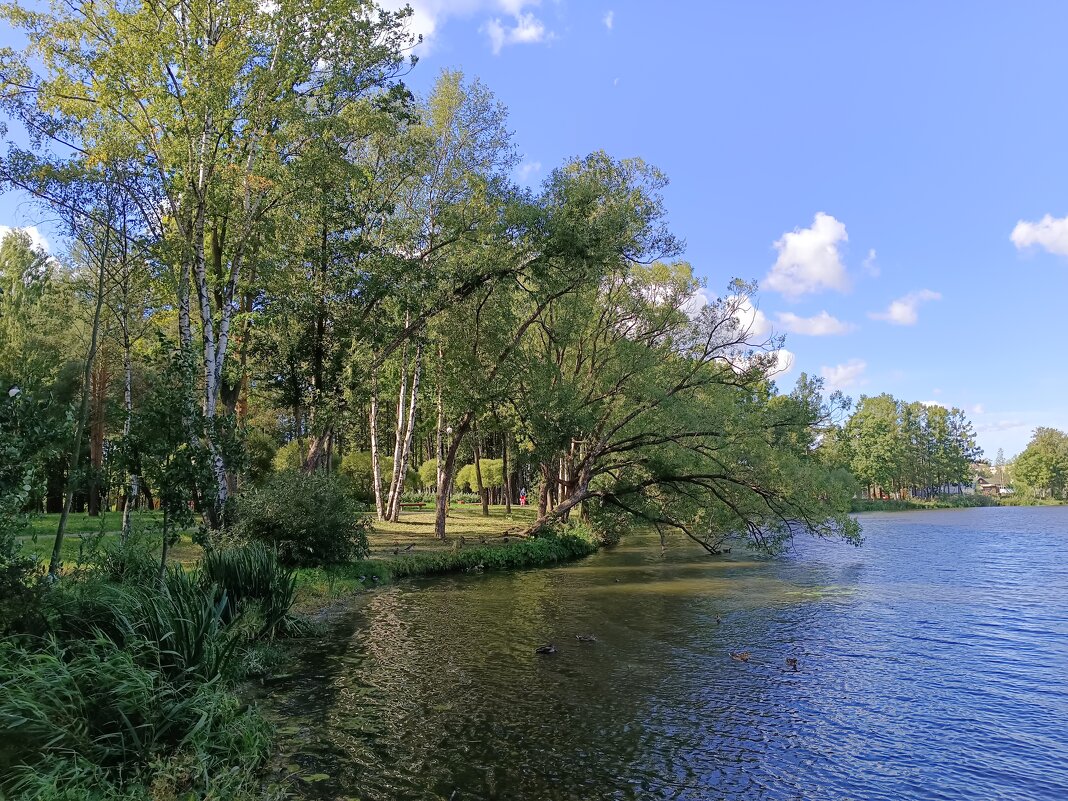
932,664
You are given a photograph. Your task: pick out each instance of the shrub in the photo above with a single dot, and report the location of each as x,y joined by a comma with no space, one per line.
260,448
357,467
291,456
20,586
308,519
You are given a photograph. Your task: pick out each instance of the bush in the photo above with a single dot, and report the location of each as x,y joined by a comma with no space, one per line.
570,542
357,467
307,519
260,448
20,586
291,456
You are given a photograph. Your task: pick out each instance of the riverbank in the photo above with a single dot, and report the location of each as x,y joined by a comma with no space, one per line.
405,549
949,502
409,549
915,504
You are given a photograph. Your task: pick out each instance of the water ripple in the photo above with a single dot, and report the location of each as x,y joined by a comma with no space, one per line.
933,664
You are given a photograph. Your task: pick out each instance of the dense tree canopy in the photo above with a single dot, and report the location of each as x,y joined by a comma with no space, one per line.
348,277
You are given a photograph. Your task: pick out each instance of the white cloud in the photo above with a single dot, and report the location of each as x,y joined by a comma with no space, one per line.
37,239
527,29
527,169
695,303
784,363
869,264
1049,233
753,322
1000,425
978,409
823,324
609,19
933,403
429,15
905,310
809,260
843,376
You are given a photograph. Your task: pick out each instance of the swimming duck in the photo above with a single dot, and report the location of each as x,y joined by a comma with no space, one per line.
791,662
739,656
545,649
585,638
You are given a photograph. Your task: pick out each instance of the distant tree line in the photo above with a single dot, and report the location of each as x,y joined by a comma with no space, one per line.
900,449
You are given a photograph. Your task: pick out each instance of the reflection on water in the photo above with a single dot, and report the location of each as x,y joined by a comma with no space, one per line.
933,664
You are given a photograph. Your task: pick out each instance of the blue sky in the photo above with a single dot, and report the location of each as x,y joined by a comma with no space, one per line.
885,170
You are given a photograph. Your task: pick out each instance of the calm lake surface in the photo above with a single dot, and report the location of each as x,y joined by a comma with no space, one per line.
933,664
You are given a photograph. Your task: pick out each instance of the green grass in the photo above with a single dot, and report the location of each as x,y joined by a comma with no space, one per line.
76,546
397,550
1028,500
109,523
318,586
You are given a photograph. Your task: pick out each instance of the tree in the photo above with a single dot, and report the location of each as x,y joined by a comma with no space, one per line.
876,445
641,410
1042,468
217,102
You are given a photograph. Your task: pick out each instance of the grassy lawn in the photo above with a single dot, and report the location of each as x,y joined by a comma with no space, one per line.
415,529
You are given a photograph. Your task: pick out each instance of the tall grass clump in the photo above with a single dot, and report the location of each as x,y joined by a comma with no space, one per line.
125,692
254,581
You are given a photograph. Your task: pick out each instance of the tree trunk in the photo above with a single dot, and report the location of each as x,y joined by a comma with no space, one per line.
127,402
506,485
83,411
483,493
406,446
166,548
543,490
376,467
399,434
97,430
439,453
445,488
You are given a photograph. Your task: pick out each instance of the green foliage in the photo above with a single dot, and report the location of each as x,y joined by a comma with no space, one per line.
160,447
251,577
357,466
184,621
545,550
428,474
95,719
939,502
307,519
899,446
260,449
123,695
1042,469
